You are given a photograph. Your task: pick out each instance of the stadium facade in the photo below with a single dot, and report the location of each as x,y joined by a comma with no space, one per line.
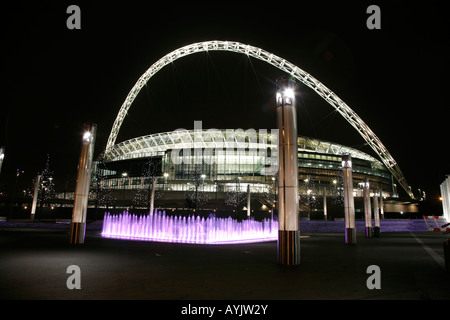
216,165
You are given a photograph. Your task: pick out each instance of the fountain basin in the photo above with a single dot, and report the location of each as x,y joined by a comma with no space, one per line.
164,228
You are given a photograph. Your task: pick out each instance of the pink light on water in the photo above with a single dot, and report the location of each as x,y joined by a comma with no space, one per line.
163,228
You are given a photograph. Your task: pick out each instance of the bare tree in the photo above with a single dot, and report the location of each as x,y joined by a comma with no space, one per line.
235,197
143,193
103,194
271,196
337,189
46,186
311,197
196,196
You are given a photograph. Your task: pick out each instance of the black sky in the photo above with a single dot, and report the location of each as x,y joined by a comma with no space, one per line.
56,79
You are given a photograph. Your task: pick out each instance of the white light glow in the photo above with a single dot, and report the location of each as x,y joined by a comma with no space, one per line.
289,93
87,136
346,164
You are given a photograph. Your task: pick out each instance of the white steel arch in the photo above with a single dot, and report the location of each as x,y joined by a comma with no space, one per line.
372,140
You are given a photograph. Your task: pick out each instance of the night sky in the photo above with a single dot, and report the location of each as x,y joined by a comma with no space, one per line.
56,79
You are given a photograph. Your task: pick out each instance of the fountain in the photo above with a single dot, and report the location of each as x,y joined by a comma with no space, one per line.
164,228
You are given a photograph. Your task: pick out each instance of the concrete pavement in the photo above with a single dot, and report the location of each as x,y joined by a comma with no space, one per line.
34,262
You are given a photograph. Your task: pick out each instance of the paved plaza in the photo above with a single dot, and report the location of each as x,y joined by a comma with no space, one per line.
34,262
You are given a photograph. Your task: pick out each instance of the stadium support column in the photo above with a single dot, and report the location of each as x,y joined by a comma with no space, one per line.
376,215
349,204
288,233
35,196
78,225
367,208
324,203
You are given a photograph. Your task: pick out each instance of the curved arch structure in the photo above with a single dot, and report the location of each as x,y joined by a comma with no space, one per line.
285,66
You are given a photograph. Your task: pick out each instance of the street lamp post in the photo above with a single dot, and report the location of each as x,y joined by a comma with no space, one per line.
35,196
349,203
2,156
152,196
78,224
288,233
376,215
248,201
216,184
18,172
124,176
367,208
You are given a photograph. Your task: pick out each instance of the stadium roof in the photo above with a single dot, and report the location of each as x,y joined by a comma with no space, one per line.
158,143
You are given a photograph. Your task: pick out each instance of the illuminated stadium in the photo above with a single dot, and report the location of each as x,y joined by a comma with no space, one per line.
214,169
214,166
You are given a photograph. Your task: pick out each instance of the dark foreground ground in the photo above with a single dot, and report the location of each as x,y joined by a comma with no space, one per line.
34,262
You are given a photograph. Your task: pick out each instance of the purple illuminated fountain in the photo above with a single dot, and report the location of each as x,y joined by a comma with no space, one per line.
212,230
